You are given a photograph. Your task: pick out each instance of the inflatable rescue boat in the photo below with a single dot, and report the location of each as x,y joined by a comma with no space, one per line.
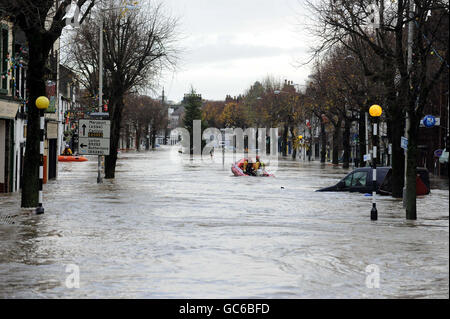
238,169
71,158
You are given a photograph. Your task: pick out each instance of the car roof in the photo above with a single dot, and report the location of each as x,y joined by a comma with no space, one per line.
364,169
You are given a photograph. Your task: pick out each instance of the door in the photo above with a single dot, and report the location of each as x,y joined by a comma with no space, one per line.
52,154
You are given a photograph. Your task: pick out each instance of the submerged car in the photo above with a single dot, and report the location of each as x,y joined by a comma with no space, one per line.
360,180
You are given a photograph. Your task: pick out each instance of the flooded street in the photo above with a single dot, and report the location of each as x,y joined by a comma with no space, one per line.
167,228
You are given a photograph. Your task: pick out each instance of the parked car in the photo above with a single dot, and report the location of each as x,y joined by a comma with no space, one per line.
360,180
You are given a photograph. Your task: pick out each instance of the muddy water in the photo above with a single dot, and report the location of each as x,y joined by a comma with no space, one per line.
170,228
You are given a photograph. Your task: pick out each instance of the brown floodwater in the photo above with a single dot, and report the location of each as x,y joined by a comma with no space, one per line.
173,228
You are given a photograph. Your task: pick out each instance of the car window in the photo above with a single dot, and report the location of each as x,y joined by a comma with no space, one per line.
359,179
348,180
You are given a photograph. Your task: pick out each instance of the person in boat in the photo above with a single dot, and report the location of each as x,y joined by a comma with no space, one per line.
67,151
249,169
244,165
258,164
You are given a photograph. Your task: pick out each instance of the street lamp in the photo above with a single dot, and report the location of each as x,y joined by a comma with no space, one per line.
375,112
42,103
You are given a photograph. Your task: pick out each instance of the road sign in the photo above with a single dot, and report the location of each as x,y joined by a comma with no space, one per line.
94,128
404,143
429,121
94,137
438,152
93,146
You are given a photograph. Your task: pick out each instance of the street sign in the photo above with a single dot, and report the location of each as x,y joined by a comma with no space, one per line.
94,128
94,137
93,146
438,152
429,121
367,157
404,143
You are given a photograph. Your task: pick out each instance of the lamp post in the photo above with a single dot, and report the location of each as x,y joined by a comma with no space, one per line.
42,103
375,112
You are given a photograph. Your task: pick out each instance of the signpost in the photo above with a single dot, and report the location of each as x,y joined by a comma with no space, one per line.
94,136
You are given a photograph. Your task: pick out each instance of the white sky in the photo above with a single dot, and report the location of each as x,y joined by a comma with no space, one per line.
230,44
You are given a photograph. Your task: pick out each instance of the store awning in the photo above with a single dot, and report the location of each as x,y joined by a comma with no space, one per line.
8,110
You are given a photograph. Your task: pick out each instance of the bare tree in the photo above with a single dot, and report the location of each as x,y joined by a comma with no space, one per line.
138,45
406,74
42,22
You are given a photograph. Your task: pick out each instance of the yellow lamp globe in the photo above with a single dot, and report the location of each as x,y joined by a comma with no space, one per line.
375,110
300,137
42,102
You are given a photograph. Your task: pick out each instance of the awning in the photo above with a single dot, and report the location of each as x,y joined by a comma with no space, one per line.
8,110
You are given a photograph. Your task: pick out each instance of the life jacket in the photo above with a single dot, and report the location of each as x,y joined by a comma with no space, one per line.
256,166
244,167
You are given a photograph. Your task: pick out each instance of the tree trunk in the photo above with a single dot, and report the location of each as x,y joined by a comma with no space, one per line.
323,146
411,175
138,137
147,138
284,141
115,114
398,157
336,135
36,86
294,146
346,144
127,136
362,138
153,138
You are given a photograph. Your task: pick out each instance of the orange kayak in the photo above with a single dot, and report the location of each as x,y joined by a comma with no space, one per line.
71,158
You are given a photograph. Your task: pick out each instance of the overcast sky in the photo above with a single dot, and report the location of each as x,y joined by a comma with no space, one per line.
228,45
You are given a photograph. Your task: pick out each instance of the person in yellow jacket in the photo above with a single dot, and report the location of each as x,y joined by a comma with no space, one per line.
67,151
258,164
244,168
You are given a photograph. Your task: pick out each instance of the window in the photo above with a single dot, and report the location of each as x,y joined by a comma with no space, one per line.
348,180
359,179
356,179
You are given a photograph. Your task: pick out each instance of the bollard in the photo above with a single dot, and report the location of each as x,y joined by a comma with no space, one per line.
375,111
374,212
40,208
41,103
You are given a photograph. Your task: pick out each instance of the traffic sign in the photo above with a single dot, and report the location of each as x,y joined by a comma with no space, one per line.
94,137
93,146
404,143
94,128
438,152
429,121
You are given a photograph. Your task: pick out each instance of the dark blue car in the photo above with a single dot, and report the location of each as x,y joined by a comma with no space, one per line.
360,180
